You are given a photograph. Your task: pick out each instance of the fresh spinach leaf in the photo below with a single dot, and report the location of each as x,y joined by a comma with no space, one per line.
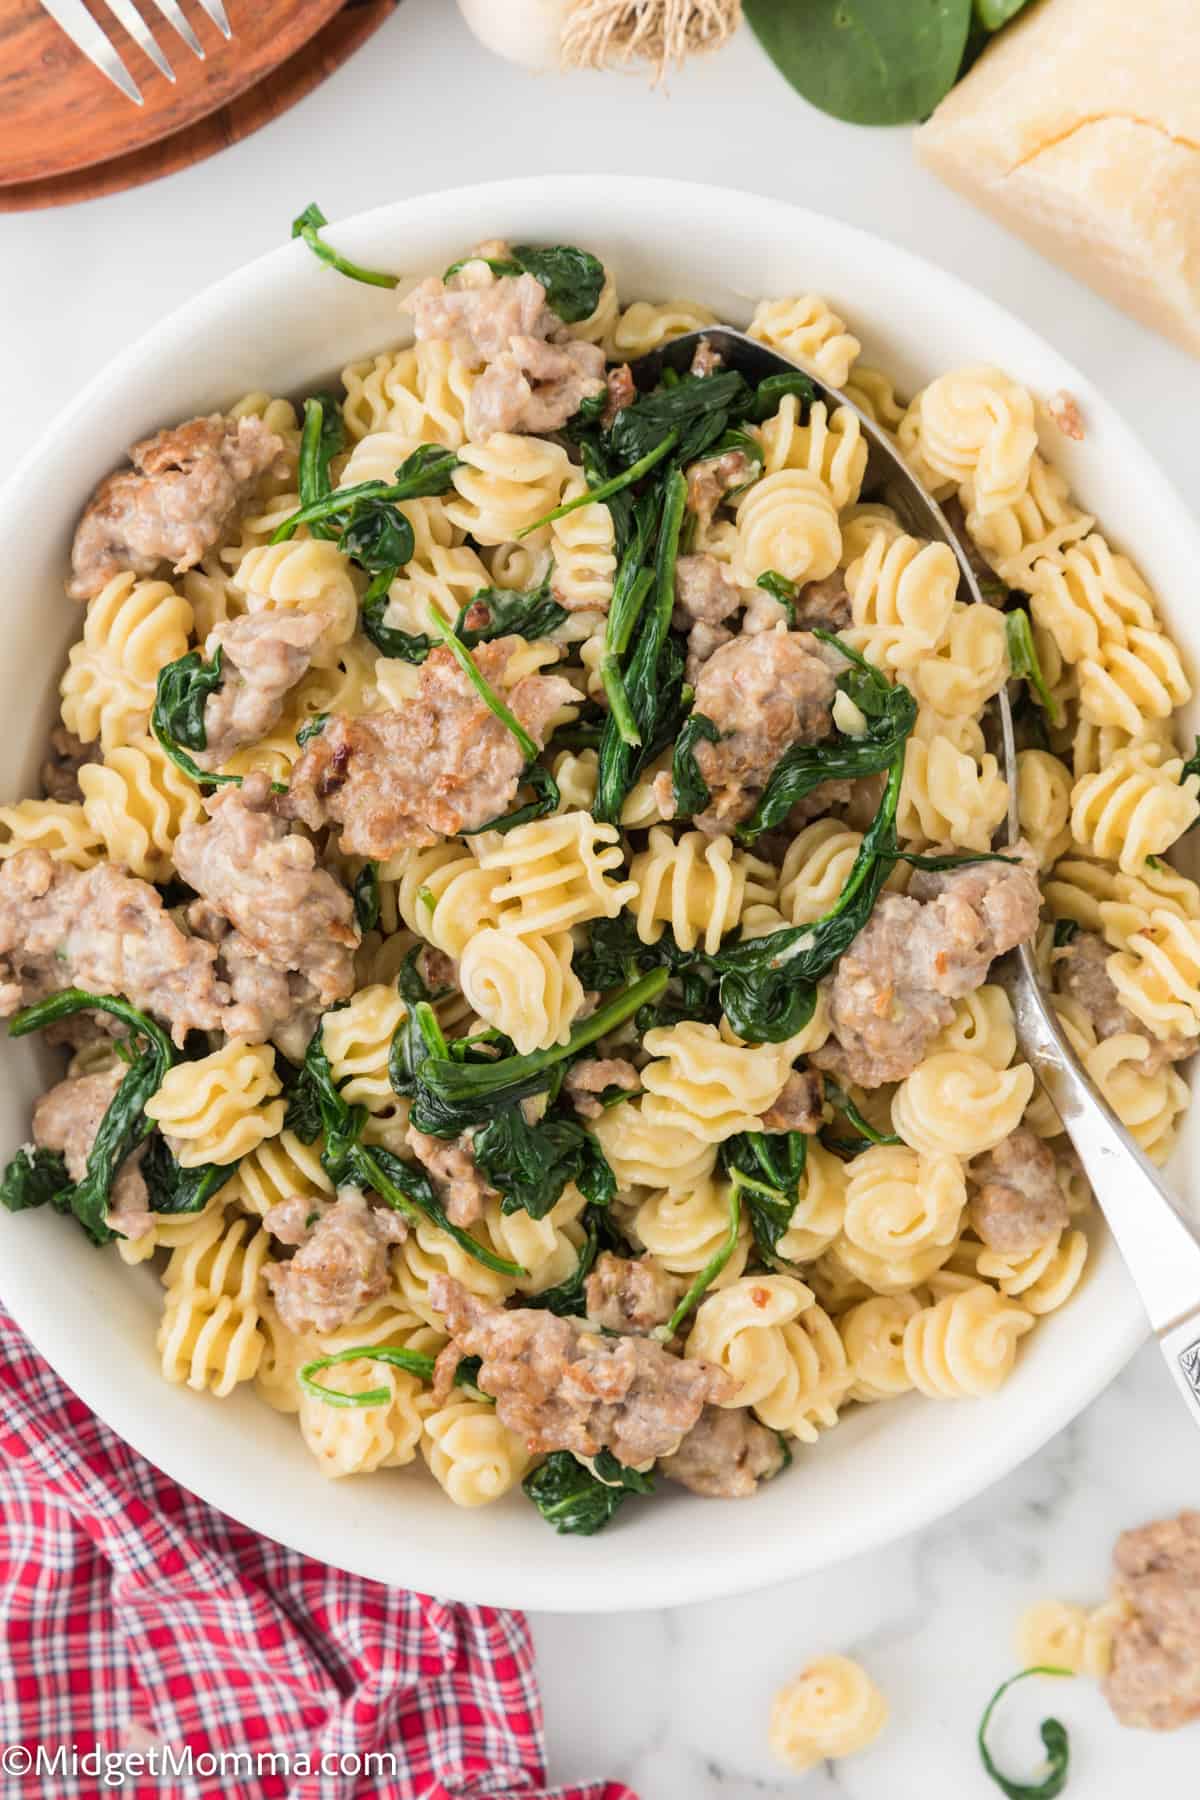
689,786
768,985
891,713
1024,663
309,225
173,1189
124,1125
510,614
572,278
768,1168
35,1177
576,1502
1054,1738
870,62
366,897
177,719
454,1095
322,437
530,1165
783,590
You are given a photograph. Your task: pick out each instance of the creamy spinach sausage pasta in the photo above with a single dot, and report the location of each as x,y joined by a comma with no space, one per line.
515,882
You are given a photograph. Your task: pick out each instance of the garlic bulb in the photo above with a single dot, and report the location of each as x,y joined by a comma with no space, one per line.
524,31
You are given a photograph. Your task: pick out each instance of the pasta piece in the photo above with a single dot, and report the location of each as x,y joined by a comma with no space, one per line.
1148,1103
965,1344
1094,746
305,575
831,1709
427,1252
441,893
523,986
443,384
277,1169
1044,1278
902,598
899,1203
170,1231
808,330
644,803
952,790
1135,807
1134,684
355,1440
547,1248
958,1103
683,1229
58,827
212,594
976,425
742,1329
357,1039
137,802
381,395
653,1153
284,1355
788,523
220,1107
1042,523
505,485
874,394
820,1207
473,1457
575,774
862,524
211,1336
968,666
1086,598
554,873
582,552
815,868
1043,804
646,326
130,631
698,885
852,1273
1157,974
982,1026
1051,1635
706,1085
873,1336
831,448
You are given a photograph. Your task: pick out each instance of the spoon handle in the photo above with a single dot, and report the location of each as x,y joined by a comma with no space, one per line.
1160,1244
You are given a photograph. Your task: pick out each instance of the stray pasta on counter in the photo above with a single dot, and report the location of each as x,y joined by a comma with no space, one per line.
515,885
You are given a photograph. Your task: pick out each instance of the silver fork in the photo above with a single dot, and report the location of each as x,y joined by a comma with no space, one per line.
88,35
1159,1242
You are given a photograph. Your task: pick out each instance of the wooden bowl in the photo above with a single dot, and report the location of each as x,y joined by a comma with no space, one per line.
66,133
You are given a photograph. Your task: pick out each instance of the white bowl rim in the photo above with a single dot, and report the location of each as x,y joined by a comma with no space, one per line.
515,1580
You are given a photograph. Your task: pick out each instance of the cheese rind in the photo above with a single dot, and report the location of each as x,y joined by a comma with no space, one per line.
1079,128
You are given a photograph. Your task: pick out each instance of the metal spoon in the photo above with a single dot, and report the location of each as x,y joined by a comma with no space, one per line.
1159,1242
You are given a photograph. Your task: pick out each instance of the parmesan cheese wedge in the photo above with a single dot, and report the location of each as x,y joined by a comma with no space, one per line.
1079,128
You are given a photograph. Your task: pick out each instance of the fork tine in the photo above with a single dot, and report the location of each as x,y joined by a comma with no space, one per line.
83,31
216,12
127,14
173,13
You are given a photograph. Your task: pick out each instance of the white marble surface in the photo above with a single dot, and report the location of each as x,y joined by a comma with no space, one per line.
676,1702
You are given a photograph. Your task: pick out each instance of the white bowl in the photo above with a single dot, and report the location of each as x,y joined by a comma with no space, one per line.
283,324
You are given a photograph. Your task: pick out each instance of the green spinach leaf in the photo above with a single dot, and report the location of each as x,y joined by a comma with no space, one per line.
505,613
870,62
35,1177
530,1165
173,1189
576,1502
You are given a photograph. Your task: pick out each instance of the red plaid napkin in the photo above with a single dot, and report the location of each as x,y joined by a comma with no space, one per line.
136,1618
